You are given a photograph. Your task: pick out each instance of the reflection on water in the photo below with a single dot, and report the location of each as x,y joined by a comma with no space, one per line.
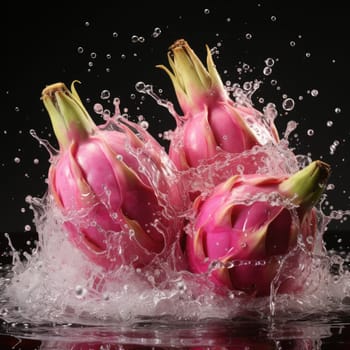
316,332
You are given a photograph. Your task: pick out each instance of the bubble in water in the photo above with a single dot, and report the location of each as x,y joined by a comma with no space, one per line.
27,228
329,123
310,132
228,19
108,56
308,54
314,92
36,161
288,104
16,109
105,94
87,24
115,35
17,160
292,43
273,82
80,49
248,36
134,39
206,11
337,110
156,32
80,292
93,55
273,18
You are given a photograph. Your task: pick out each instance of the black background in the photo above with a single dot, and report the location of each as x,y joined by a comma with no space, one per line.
40,46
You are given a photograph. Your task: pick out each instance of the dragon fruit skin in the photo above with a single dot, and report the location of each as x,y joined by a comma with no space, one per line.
238,223
212,121
111,211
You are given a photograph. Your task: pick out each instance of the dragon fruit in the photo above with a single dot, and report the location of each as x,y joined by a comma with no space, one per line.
249,222
212,121
111,209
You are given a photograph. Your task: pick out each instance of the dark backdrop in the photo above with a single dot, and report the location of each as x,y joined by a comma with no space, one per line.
40,46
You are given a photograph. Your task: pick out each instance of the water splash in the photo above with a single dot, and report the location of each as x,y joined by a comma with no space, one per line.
57,283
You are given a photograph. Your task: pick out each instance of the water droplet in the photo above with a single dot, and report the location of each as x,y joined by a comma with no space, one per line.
267,70
228,19
329,123
27,228
17,109
106,114
140,86
36,161
90,64
248,36
247,85
105,94
144,124
134,39
308,54
310,132
98,108
17,160
123,56
288,104
156,32
80,49
314,92
337,110
87,24
269,62
330,187
206,11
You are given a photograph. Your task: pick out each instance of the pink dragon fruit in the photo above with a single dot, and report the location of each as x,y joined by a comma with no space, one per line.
243,228
111,210
212,121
